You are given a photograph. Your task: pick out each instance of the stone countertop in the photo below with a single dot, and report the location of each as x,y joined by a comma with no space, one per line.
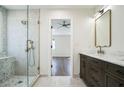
115,59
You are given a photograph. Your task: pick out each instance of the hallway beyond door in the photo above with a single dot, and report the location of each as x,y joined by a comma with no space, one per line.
60,66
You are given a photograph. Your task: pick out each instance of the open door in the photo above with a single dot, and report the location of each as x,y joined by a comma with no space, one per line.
61,47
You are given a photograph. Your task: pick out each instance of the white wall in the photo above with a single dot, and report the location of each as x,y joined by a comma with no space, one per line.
81,27
62,46
117,28
17,36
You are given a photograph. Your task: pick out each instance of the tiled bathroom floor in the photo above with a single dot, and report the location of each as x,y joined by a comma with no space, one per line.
17,81
59,81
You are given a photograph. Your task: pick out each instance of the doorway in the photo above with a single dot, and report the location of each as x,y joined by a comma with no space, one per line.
61,61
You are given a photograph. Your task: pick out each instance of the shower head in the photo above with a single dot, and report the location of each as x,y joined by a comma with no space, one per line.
24,22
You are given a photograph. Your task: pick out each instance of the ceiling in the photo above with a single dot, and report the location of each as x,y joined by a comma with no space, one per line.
15,7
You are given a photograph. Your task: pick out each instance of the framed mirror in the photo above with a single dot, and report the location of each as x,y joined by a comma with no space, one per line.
103,30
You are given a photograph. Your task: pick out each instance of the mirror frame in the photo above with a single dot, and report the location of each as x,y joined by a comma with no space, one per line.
109,29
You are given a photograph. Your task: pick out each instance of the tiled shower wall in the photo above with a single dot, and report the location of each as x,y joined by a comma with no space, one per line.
7,68
3,36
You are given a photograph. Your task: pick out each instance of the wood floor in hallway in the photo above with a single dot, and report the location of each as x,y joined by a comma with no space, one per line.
60,66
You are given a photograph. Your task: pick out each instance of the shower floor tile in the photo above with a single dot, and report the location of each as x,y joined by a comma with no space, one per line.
17,81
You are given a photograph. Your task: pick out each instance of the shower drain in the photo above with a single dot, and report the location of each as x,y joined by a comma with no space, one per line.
20,82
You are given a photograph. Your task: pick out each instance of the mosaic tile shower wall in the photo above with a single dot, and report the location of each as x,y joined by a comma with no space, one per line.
3,32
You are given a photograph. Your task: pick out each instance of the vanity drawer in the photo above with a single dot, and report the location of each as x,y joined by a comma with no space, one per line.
96,63
112,81
95,70
116,70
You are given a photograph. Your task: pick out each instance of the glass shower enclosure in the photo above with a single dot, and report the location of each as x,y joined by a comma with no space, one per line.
19,45
33,43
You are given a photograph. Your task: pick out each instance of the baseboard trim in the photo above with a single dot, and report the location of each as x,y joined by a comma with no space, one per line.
44,75
76,75
61,56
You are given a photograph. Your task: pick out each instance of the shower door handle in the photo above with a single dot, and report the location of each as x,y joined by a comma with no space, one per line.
51,66
29,45
51,46
26,49
38,68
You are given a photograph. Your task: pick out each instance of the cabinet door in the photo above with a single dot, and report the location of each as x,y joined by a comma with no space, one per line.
95,74
82,67
98,76
112,81
88,79
115,70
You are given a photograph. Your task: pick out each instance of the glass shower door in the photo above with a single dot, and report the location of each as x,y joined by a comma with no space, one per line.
33,44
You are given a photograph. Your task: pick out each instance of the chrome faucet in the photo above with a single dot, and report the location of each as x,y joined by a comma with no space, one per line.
29,45
100,51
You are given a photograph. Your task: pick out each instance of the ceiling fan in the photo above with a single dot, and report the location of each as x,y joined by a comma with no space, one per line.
64,24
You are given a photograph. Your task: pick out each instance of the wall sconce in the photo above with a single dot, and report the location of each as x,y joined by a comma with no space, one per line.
101,11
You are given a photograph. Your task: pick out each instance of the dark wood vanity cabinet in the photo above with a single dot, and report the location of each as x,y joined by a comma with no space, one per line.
82,64
98,73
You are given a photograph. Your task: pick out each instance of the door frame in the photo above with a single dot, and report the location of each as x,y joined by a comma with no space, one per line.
71,52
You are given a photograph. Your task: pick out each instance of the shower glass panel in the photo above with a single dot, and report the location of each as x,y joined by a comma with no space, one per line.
13,45
33,44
